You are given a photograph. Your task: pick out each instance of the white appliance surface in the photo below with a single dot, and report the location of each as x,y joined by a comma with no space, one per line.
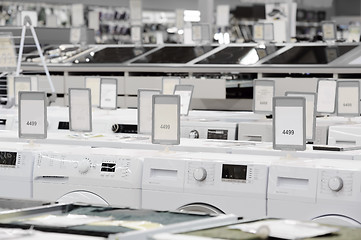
324,190
97,176
204,182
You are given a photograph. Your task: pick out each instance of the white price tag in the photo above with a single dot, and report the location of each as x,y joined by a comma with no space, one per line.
108,93
185,92
262,96
268,32
348,98
93,83
329,31
32,115
145,110
258,33
136,34
289,123
7,53
168,85
326,96
197,33
166,119
80,110
75,35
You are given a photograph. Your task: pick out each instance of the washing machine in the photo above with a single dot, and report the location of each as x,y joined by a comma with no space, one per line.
324,190
98,176
209,129
209,183
345,135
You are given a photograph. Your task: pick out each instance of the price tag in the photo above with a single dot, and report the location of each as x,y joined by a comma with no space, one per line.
32,115
7,53
185,92
310,112
258,31
80,114
348,98
93,83
263,93
197,33
136,34
21,84
329,31
145,110
168,85
289,130
108,93
166,119
268,31
326,96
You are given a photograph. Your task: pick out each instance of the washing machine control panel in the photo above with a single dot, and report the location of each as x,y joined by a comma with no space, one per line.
200,174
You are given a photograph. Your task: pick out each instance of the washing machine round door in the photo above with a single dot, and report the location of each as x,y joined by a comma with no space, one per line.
337,220
200,208
82,196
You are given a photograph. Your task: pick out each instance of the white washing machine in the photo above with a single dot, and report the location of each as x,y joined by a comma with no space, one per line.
345,135
323,190
99,176
211,183
208,129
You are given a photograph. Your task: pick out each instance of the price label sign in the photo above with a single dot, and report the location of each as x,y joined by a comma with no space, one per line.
268,31
32,115
263,93
7,53
258,31
93,83
326,96
80,114
310,112
168,85
329,31
289,123
145,110
348,98
166,119
185,92
108,93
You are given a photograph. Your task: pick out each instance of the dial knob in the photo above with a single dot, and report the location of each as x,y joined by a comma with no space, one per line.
84,166
335,184
194,134
200,174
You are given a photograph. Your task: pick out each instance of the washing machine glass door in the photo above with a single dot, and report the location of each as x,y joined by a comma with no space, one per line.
337,220
200,208
82,196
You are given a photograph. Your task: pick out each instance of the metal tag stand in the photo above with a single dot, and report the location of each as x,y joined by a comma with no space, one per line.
27,23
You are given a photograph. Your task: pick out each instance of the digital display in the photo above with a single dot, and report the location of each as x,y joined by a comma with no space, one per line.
8,158
310,55
234,172
179,54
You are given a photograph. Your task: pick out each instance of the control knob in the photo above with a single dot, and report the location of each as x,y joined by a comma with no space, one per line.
84,166
335,184
199,174
194,134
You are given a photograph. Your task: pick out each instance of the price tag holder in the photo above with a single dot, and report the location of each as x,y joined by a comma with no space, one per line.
145,109
258,32
311,99
185,92
108,93
166,119
21,84
348,98
80,111
32,115
7,52
326,96
93,83
168,85
268,31
328,31
289,123
263,93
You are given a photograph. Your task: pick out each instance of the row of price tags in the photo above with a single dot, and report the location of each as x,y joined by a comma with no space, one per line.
342,97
